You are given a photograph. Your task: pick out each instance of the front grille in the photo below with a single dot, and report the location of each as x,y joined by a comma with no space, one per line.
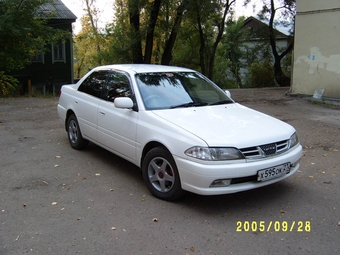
282,146
269,149
265,150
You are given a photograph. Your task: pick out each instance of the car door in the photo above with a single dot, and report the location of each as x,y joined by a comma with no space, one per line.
116,126
90,93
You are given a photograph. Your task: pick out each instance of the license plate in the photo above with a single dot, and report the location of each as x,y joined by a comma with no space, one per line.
273,172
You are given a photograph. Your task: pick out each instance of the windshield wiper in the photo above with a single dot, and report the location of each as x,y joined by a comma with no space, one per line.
191,104
222,102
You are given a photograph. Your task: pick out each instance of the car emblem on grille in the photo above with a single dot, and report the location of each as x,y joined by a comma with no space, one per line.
269,149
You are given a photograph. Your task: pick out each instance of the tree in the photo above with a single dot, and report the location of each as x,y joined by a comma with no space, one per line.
85,49
143,17
90,44
91,20
180,32
209,19
134,16
234,48
119,36
24,31
220,24
152,27
154,12
202,13
286,10
167,53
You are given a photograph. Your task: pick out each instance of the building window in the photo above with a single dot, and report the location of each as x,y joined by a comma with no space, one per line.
58,52
38,58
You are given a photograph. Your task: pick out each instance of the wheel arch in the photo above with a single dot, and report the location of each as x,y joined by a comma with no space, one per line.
68,114
149,146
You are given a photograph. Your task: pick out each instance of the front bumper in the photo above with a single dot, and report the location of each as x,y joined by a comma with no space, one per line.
197,176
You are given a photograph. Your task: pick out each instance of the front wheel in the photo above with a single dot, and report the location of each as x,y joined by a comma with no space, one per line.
161,175
74,134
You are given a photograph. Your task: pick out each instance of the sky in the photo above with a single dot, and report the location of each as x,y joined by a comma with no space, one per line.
77,7
106,9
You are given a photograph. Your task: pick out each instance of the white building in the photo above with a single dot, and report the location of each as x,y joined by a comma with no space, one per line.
257,46
317,48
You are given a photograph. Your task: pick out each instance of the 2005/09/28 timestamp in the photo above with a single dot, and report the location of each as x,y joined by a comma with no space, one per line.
276,226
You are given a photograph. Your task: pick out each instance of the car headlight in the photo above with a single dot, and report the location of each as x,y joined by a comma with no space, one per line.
294,140
214,154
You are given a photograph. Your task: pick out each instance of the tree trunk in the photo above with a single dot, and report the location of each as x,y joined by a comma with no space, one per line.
136,47
221,26
151,29
281,79
202,43
167,54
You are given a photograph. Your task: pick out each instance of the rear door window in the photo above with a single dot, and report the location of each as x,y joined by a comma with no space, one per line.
94,84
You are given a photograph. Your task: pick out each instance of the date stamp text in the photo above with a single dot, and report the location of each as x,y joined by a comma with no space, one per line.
275,226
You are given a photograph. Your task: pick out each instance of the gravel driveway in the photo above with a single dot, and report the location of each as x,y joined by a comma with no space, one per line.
56,200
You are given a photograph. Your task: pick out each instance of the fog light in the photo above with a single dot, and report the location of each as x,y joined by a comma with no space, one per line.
220,183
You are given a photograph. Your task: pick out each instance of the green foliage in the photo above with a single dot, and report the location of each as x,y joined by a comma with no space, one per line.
287,64
23,32
284,9
261,74
89,48
117,37
196,39
222,76
185,51
8,84
188,49
234,50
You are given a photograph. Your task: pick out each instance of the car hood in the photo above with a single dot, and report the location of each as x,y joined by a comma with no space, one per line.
231,125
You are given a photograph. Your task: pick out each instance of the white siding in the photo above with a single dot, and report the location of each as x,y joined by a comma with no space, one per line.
317,48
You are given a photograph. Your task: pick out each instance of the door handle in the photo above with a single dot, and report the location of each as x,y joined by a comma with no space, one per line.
101,113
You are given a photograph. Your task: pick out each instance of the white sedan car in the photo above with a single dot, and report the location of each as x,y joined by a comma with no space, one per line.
183,131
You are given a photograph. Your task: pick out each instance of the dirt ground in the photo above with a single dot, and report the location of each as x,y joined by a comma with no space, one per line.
56,200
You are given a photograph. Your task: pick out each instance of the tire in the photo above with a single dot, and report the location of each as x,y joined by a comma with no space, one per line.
161,175
74,134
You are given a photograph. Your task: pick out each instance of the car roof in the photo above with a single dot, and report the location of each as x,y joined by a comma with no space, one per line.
144,68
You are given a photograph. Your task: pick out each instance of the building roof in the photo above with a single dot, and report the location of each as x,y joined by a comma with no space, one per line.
256,25
57,10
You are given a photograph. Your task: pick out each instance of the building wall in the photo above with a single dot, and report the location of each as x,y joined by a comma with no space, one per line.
49,75
281,43
317,48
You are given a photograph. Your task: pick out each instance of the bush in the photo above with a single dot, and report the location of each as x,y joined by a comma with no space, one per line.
261,74
8,84
222,76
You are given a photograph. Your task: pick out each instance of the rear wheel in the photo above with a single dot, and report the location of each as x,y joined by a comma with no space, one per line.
74,134
161,175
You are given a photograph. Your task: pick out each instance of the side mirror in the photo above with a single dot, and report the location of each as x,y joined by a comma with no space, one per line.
123,102
228,93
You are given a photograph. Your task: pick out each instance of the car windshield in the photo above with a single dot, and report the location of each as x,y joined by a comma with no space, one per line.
178,89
